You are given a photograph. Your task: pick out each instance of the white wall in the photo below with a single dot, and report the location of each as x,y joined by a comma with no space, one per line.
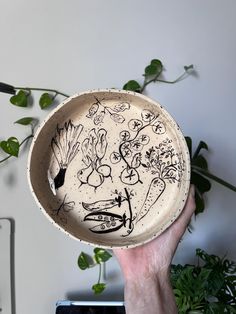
78,45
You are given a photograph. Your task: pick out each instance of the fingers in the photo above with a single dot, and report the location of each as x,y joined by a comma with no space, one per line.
188,210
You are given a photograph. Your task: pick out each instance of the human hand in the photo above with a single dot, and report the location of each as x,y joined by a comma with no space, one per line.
156,256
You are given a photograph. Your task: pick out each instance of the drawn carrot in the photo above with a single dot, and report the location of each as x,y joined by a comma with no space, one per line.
156,188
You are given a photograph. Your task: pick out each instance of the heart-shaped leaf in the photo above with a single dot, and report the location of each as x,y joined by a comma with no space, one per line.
84,261
11,146
25,121
154,68
20,99
45,101
132,85
101,255
98,288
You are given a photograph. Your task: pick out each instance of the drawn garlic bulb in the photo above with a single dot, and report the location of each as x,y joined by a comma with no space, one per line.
65,146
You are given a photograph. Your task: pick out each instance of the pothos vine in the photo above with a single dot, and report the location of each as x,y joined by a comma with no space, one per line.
153,73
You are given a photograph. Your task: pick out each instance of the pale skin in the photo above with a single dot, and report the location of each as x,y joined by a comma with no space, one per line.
146,268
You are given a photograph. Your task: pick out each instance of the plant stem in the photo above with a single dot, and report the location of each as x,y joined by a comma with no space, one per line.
100,273
156,79
24,140
130,210
213,177
43,89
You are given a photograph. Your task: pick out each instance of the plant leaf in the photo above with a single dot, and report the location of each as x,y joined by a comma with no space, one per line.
200,161
202,184
132,85
45,101
154,68
6,88
20,99
84,261
25,121
101,255
11,146
98,288
189,144
200,204
201,145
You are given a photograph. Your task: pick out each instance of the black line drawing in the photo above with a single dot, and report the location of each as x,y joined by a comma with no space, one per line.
167,166
98,111
106,221
93,149
65,146
130,148
59,214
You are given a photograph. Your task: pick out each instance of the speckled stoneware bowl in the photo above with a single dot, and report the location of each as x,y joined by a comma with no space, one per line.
110,168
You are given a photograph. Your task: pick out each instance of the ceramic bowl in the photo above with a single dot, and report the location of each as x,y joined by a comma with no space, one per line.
110,168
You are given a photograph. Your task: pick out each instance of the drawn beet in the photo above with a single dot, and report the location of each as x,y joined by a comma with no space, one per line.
65,146
156,188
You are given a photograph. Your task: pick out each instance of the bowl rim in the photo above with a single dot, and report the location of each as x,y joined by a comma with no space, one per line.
179,134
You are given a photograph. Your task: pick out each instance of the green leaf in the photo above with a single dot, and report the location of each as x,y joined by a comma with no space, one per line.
151,70
11,146
157,63
84,261
98,288
101,255
20,99
202,184
201,162
201,145
154,68
25,121
132,85
200,204
45,101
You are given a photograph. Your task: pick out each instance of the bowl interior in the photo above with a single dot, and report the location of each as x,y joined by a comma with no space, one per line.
110,168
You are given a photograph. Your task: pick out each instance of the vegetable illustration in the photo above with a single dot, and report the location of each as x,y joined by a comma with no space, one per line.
60,213
167,166
106,222
65,146
155,190
99,110
131,147
103,204
93,149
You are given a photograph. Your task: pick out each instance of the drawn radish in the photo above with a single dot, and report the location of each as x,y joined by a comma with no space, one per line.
83,174
156,188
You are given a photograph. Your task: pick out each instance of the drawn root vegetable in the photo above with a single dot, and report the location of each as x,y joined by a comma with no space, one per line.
105,170
156,188
95,179
83,174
